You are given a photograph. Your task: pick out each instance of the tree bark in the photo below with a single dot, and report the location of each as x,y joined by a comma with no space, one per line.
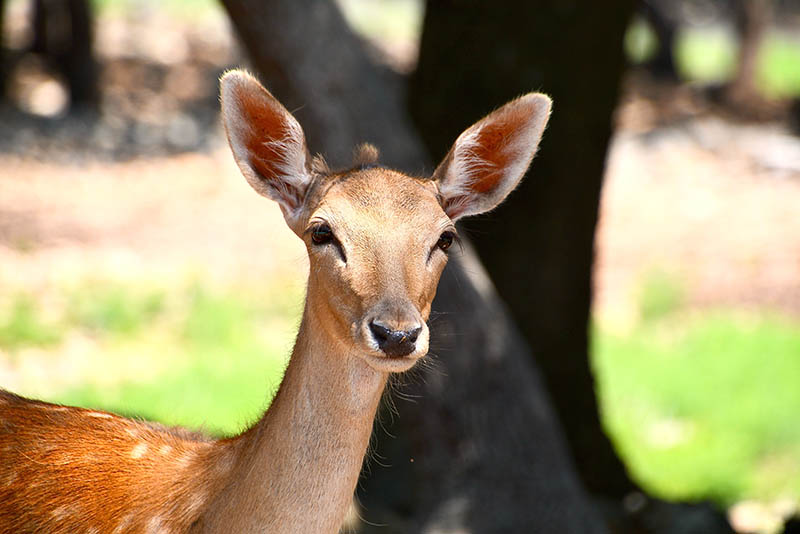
478,448
538,247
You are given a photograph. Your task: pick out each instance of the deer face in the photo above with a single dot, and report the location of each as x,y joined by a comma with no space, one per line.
377,242
377,239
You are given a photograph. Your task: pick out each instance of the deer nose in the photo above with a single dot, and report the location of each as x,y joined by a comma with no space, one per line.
395,343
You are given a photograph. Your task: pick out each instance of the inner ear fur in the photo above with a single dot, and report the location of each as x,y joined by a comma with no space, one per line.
267,142
489,158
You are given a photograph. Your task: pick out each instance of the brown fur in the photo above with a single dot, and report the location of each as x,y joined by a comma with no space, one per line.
69,470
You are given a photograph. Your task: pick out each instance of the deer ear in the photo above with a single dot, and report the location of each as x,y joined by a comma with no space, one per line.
488,160
267,142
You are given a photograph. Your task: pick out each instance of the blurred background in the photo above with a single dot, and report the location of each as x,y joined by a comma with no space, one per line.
140,274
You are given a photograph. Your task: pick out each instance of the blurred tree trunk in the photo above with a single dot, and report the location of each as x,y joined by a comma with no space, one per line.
538,247
322,72
3,58
662,16
751,18
63,34
478,449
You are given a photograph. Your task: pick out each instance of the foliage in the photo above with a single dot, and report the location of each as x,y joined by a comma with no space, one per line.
641,42
184,8
708,54
702,404
779,66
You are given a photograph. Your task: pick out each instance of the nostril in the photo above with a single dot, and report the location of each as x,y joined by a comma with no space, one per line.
379,332
394,343
412,335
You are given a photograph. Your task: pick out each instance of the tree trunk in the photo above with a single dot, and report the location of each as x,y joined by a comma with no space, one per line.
80,68
662,17
3,59
478,449
752,18
63,34
538,247
322,73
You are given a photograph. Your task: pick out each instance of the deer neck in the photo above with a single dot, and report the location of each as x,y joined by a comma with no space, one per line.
298,466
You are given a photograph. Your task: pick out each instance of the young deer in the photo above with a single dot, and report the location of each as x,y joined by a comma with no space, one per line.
377,242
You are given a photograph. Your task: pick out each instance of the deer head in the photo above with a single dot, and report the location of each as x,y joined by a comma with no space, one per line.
377,239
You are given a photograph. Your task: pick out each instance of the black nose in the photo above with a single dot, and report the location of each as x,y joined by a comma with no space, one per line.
394,343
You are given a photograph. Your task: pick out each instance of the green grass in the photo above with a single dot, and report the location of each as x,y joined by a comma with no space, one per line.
705,405
699,404
203,357
661,295
105,308
22,324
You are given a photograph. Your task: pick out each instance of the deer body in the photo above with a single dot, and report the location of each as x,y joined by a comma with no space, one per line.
377,242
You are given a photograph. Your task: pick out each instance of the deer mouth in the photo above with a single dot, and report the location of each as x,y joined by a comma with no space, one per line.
392,364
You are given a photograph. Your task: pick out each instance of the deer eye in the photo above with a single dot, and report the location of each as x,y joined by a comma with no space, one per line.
445,241
321,234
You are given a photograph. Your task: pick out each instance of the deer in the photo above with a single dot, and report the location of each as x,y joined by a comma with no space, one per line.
377,241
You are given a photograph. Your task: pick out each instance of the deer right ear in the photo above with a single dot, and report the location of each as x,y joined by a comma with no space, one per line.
488,160
267,142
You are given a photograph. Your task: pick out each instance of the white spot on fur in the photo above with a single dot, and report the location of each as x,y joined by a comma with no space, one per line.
225,464
139,451
57,408
196,502
63,512
165,449
10,478
185,458
99,415
154,526
122,526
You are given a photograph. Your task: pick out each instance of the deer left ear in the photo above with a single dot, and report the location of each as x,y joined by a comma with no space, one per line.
488,160
267,142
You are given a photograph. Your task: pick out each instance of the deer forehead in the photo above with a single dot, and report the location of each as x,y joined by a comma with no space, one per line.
371,207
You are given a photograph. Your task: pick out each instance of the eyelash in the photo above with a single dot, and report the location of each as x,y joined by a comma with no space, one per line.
322,235
446,240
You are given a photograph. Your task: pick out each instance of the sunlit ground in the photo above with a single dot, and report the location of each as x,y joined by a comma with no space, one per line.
165,288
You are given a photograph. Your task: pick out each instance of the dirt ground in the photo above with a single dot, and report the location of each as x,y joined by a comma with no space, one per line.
712,203
147,187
